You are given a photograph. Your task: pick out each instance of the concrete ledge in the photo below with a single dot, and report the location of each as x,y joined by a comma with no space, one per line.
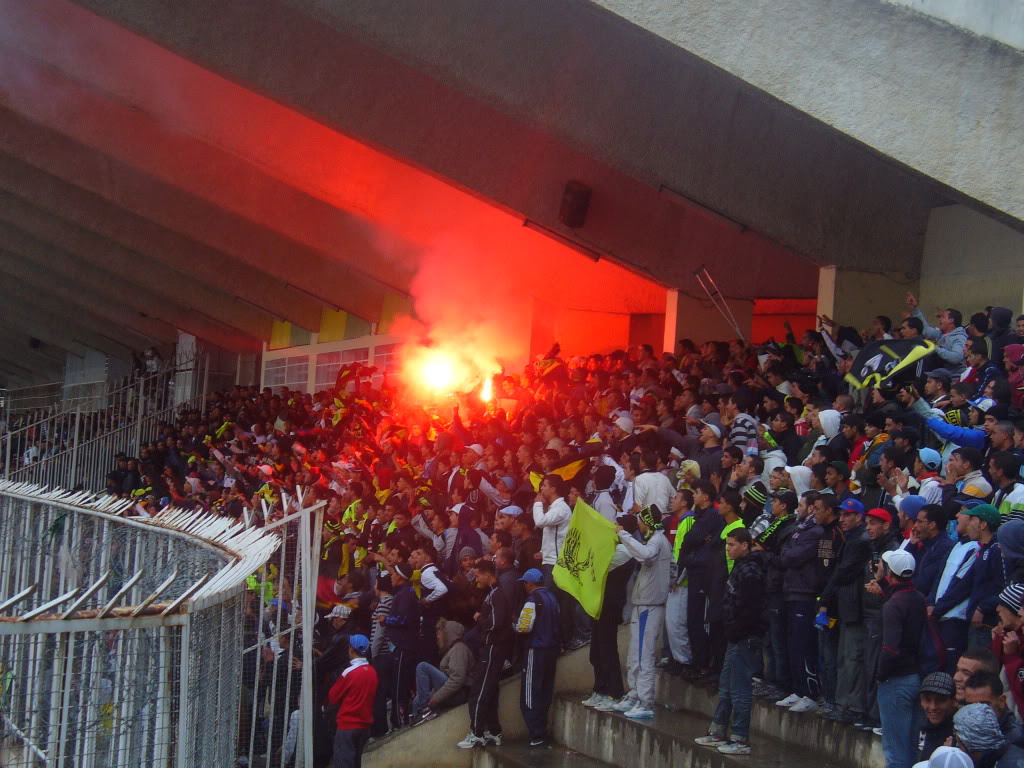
666,741
843,744
433,743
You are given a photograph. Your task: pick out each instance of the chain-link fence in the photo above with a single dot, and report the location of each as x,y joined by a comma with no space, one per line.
121,641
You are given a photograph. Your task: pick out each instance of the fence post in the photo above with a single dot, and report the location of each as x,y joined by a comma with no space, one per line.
7,459
138,415
74,447
206,380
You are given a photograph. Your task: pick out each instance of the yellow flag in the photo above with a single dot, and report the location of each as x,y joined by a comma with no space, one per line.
582,565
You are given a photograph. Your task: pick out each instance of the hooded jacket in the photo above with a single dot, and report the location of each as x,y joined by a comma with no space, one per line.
744,599
456,663
799,559
1000,336
698,547
655,558
773,540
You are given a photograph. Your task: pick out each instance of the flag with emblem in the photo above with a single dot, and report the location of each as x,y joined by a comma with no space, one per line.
582,565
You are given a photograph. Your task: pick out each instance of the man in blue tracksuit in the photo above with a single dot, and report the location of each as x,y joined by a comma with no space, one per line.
539,620
982,583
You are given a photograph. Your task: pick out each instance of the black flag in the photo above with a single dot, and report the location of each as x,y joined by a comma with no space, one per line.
888,360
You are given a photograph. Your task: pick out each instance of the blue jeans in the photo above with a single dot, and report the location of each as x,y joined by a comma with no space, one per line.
428,679
348,748
900,713
735,691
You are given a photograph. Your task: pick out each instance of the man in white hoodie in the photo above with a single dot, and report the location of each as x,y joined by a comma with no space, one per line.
552,515
650,591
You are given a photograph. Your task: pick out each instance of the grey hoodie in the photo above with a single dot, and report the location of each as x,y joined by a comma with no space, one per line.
655,558
456,663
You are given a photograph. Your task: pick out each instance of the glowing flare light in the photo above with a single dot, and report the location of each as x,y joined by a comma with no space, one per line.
487,390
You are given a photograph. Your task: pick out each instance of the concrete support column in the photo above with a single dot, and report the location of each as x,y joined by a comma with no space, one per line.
688,317
852,297
971,261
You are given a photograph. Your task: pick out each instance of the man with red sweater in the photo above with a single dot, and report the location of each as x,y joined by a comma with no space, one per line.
353,694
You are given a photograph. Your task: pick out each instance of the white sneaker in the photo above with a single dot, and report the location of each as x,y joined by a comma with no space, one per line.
710,741
494,739
592,700
806,704
640,712
606,704
470,741
624,704
789,701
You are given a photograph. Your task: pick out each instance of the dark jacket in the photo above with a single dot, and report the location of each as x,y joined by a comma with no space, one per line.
830,548
773,540
403,622
930,557
697,552
872,604
933,737
799,558
843,593
988,581
1000,334
496,617
743,602
903,621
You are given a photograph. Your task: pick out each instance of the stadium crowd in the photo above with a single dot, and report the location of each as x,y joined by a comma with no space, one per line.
849,552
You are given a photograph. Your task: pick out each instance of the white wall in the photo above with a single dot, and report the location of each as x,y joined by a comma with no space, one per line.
971,261
1002,20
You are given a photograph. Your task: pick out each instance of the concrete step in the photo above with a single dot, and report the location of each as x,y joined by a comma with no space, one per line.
518,755
845,745
666,741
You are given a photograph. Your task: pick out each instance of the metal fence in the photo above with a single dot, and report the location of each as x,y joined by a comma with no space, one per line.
123,642
76,448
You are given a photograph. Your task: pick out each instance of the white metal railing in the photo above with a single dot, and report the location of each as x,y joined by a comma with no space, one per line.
76,448
123,641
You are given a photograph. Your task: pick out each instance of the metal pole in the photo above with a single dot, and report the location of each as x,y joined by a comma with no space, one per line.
206,381
182,746
74,448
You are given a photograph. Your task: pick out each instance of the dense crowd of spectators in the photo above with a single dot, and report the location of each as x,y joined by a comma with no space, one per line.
852,553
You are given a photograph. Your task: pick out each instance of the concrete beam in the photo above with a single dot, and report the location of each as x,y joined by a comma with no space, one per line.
111,232
594,100
62,332
17,340
39,283
142,190
41,233
23,256
51,319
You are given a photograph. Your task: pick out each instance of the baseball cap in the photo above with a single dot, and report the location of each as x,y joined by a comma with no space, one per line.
967,500
986,512
786,497
900,562
625,423
533,576
938,682
340,612
360,643
841,467
983,404
1011,596
713,426
511,510
911,505
947,757
851,505
930,458
880,513
940,374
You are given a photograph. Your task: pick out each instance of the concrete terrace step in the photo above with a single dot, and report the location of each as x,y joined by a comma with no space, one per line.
843,744
517,755
666,741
